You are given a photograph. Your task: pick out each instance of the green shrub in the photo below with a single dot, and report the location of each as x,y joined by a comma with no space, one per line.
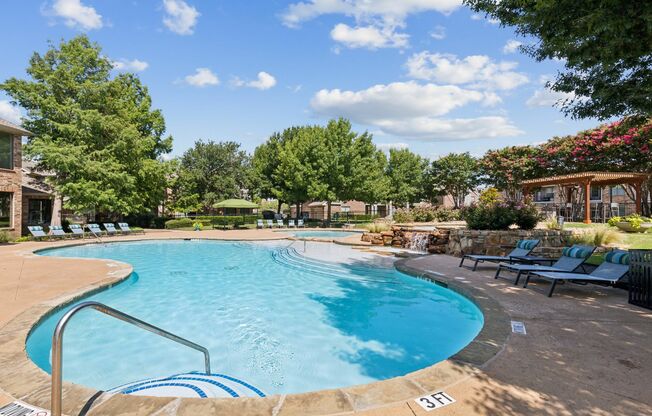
4,237
596,237
447,214
377,227
179,223
527,216
402,215
634,220
553,224
500,216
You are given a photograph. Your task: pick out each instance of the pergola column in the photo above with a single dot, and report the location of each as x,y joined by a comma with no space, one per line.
639,197
587,202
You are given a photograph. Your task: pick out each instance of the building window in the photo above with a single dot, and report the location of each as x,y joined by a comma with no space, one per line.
596,193
546,194
618,190
39,211
6,151
5,209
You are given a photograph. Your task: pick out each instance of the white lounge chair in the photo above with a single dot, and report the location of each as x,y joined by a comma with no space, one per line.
291,224
300,223
76,230
110,228
95,229
57,231
124,228
37,232
270,223
279,224
260,224
614,268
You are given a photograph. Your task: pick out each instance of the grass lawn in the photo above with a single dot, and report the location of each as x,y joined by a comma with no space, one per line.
629,240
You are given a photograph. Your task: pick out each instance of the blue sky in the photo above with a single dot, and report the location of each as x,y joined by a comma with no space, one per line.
426,74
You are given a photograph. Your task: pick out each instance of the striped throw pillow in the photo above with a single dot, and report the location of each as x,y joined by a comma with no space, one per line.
527,244
617,257
577,252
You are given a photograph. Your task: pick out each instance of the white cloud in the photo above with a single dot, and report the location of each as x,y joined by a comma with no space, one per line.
385,147
202,77
548,98
477,71
391,12
180,18
264,81
511,46
76,14
439,33
412,110
371,37
9,112
477,16
135,65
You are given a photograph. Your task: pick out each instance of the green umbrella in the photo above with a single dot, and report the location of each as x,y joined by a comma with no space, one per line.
235,203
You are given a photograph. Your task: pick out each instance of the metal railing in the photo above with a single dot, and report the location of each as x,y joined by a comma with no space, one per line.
57,345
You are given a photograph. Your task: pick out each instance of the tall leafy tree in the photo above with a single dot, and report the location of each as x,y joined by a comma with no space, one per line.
405,171
455,174
98,133
214,171
605,46
506,168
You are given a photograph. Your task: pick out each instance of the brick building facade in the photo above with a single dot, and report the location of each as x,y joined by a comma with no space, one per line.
11,177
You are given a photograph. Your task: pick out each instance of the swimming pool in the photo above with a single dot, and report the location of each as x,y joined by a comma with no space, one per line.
282,322
323,234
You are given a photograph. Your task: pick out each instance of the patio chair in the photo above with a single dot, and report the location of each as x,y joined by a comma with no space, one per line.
270,223
260,224
76,230
519,253
300,223
124,228
95,229
37,232
57,231
110,228
571,258
613,269
279,224
291,224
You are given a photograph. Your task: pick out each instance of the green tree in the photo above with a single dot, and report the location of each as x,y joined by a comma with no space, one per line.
605,46
456,175
405,172
98,134
506,168
213,171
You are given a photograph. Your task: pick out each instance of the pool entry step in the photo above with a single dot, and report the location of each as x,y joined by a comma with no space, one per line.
191,385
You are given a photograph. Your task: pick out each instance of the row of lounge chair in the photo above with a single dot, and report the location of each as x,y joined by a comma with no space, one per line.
76,230
566,268
279,224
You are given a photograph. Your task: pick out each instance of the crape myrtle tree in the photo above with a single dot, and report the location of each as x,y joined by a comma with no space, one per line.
210,172
605,47
98,133
406,173
455,174
506,168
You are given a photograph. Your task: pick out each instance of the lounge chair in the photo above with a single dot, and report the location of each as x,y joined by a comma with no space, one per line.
270,223
614,268
124,228
95,229
279,224
37,232
521,251
291,224
110,228
300,223
260,224
571,258
57,231
76,230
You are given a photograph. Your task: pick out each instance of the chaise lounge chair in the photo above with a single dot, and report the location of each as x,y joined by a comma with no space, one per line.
614,268
520,253
57,231
95,229
270,223
76,230
110,228
37,232
279,224
124,228
300,223
260,224
571,258
291,224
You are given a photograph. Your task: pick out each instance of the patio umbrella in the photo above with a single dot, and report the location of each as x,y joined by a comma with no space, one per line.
235,203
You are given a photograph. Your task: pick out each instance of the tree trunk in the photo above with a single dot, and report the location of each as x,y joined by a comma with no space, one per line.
328,213
278,209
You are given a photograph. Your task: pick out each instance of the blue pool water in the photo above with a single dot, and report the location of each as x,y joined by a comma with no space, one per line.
323,234
280,321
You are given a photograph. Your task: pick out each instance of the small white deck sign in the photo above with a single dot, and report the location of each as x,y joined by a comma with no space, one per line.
518,328
19,408
434,401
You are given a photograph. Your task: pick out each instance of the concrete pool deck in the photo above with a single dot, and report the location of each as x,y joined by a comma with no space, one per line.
586,352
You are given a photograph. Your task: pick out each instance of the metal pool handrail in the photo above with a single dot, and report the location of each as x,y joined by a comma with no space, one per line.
57,345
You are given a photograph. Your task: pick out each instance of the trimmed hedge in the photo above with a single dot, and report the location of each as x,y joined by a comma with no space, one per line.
212,221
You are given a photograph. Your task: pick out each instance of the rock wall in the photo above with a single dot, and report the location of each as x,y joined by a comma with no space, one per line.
457,241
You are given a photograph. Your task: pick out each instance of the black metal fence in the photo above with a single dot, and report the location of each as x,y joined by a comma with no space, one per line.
640,278
600,211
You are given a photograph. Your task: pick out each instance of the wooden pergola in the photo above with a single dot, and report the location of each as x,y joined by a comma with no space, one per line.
586,179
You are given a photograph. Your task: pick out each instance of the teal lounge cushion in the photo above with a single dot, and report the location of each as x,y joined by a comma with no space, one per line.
527,244
617,257
577,252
